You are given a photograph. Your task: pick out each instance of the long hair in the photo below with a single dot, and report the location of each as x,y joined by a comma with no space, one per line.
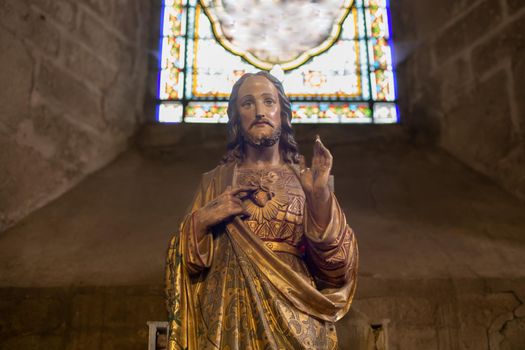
236,145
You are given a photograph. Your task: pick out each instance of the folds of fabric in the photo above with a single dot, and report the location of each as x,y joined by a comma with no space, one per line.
235,293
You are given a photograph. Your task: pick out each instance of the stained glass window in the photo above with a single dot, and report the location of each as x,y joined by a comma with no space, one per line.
334,58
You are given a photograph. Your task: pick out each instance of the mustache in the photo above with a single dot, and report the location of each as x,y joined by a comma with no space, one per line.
263,121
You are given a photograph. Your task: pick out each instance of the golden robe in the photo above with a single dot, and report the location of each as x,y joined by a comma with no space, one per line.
271,281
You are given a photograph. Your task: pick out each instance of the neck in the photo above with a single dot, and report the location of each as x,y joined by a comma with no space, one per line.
262,156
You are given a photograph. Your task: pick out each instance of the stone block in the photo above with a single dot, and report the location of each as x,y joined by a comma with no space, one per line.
508,41
354,331
472,338
119,109
140,81
132,339
149,20
42,33
111,14
84,339
423,61
518,73
429,16
467,29
62,11
89,67
14,15
515,5
481,20
31,313
404,91
87,312
401,15
101,7
482,311
512,173
126,22
30,24
487,107
132,311
62,89
45,314
450,42
151,36
19,192
26,135
408,338
455,80
33,342
126,62
513,335
16,67
73,147
406,311
104,42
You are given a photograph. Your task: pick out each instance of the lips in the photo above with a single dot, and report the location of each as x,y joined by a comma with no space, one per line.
261,123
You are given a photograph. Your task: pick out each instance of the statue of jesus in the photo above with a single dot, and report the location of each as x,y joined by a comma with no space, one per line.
264,259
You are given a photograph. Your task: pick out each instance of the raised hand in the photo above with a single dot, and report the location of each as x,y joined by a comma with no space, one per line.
225,206
314,181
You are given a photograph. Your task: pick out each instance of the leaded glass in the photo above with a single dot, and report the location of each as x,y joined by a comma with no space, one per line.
313,112
170,112
348,67
377,22
206,112
385,113
382,85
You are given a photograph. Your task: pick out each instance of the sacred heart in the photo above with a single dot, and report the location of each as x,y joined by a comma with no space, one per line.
270,33
261,197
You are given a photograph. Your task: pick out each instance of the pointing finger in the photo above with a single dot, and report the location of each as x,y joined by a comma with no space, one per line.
240,189
320,145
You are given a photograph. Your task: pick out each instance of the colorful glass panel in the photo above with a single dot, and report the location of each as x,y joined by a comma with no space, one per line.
352,81
382,85
379,53
312,112
206,112
174,20
377,22
385,113
170,112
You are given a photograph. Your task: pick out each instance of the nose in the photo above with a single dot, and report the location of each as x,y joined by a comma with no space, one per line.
259,110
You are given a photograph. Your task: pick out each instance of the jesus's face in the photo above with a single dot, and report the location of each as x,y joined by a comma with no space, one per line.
259,111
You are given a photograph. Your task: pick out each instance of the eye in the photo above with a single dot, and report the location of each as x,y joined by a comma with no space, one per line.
246,104
269,101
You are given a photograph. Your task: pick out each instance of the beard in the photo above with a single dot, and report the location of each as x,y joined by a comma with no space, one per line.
261,141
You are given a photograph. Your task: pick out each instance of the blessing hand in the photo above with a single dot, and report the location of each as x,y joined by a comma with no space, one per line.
314,181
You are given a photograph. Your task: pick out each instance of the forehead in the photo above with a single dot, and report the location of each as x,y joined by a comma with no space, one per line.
257,85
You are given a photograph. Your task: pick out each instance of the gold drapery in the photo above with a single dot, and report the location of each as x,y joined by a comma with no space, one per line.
248,297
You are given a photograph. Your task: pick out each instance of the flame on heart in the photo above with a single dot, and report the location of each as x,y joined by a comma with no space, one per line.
270,33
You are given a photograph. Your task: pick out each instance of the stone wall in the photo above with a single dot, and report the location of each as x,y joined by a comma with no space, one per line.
461,69
73,76
425,314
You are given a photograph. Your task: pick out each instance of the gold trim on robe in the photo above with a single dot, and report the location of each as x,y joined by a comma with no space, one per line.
230,291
